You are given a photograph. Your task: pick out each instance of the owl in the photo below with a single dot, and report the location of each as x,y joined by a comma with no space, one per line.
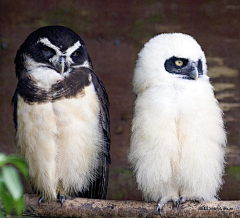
178,137
61,116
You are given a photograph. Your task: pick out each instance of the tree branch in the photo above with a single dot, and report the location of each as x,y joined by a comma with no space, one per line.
80,207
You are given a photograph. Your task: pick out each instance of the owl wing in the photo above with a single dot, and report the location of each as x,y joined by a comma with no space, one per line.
98,188
14,103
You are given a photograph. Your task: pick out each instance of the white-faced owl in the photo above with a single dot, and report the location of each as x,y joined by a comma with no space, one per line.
178,136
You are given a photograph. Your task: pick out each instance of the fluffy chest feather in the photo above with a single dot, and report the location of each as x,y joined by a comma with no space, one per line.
61,141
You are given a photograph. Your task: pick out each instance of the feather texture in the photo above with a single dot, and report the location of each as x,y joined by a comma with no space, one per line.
61,115
60,140
177,131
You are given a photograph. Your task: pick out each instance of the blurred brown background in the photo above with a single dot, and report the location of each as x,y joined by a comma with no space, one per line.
114,32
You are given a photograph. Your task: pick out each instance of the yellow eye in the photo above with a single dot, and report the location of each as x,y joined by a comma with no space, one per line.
179,62
75,54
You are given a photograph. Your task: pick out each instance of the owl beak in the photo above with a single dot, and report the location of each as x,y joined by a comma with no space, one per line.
62,62
194,72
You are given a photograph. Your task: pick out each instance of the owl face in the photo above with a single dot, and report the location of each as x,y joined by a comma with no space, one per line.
55,47
169,57
184,68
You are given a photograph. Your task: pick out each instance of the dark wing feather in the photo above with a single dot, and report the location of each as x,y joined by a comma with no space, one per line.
14,103
98,188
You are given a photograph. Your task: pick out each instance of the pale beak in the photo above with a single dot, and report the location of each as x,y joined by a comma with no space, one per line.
62,62
194,72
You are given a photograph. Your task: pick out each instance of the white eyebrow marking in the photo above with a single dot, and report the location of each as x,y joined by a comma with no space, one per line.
85,64
46,42
68,52
59,53
73,48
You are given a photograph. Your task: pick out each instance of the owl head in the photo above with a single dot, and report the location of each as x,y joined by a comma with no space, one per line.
166,57
52,47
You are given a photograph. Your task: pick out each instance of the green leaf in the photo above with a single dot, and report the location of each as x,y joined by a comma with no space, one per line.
12,182
19,163
19,206
1,214
1,184
3,159
7,202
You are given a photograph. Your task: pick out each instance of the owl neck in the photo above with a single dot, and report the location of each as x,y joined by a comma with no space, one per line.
71,86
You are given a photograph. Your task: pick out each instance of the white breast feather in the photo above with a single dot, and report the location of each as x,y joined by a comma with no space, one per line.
36,135
174,145
45,77
60,141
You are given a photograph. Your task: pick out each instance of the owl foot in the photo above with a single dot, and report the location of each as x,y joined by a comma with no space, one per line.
176,202
164,200
198,199
40,200
62,198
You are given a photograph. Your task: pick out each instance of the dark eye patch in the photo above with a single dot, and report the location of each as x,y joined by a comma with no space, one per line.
78,53
171,66
200,67
47,51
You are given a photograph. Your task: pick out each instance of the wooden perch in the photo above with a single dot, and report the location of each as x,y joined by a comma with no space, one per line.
80,207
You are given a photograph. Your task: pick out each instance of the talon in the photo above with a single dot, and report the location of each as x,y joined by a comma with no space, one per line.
40,200
160,205
182,200
198,199
176,203
62,199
